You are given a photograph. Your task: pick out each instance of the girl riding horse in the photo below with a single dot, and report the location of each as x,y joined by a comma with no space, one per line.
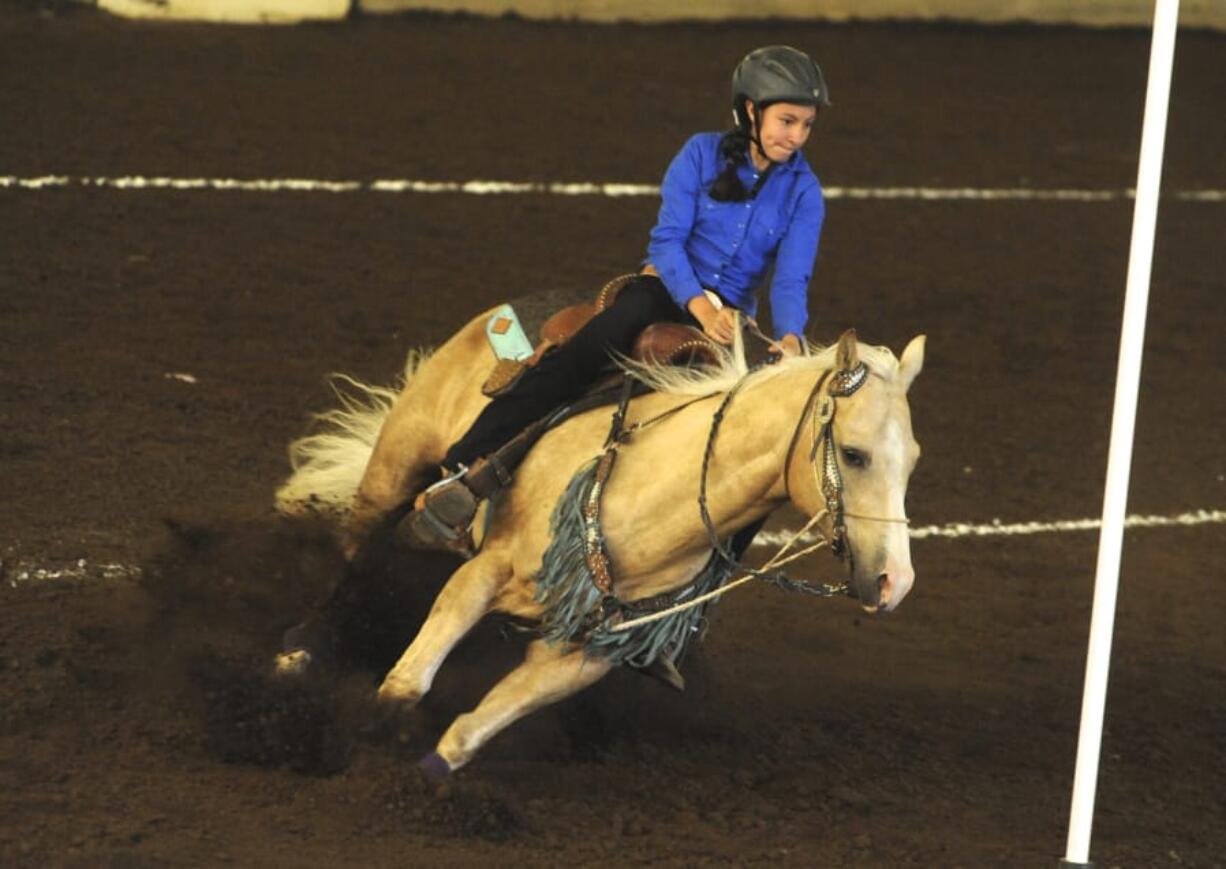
733,207
828,433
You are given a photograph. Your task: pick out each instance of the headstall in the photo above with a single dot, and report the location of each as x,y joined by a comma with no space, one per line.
843,383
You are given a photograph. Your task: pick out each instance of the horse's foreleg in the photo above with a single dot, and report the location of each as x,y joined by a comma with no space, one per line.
548,674
463,601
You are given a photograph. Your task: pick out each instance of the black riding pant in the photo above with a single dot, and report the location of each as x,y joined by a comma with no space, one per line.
563,374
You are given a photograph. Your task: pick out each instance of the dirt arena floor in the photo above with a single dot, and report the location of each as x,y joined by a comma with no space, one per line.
136,728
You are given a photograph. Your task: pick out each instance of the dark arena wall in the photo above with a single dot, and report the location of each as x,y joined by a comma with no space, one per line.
163,340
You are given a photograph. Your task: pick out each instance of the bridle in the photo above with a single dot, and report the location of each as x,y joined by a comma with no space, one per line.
829,482
843,383
821,406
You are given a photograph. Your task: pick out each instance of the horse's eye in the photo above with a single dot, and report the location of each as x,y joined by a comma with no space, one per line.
854,458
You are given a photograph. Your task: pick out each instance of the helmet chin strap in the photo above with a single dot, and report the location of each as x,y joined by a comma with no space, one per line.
756,137
756,142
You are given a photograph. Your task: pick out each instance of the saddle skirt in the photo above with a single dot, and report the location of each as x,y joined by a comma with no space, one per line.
666,343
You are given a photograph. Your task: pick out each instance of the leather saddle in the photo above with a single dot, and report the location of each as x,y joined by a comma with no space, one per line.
445,522
659,343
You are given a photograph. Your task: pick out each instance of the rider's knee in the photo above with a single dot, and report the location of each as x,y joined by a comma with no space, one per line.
639,302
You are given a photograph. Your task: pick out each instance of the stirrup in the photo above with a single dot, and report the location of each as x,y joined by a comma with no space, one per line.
445,519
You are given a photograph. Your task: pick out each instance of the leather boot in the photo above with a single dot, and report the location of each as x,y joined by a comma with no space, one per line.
442,519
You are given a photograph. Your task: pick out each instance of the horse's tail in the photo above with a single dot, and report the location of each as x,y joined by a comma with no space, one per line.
328,463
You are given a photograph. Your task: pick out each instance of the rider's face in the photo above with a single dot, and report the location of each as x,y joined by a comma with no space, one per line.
784,129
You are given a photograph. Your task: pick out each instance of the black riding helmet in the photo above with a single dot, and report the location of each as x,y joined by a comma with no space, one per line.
777,74
772,74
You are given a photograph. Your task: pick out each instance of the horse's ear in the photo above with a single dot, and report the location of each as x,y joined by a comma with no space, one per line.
846,357
912,361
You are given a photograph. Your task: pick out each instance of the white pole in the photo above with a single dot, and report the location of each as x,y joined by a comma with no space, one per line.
1128,375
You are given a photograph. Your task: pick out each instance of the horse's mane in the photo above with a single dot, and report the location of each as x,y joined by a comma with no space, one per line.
732,367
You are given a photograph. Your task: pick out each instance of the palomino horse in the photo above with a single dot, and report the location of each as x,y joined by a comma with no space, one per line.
767,453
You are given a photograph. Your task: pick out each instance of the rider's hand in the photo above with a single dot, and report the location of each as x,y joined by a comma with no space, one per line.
788,345
719,324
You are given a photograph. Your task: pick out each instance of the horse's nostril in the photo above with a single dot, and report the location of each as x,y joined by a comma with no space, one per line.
883,590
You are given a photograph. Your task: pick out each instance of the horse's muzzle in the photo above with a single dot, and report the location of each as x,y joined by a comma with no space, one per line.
883,593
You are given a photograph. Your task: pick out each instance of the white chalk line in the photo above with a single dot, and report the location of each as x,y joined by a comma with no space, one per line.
996,528
84,569
479,187
80,569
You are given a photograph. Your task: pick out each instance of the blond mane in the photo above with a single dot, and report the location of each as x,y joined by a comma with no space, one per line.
731,368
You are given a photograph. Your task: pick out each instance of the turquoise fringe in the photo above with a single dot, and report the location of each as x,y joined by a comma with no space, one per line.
575,607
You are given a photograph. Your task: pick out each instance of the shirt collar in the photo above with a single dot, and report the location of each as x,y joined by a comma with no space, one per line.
791,164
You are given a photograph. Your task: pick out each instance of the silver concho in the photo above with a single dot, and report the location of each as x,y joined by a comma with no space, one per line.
847,381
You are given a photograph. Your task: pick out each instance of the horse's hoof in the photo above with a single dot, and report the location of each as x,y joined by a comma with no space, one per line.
389,719
394,700
312,637
434,767
292,665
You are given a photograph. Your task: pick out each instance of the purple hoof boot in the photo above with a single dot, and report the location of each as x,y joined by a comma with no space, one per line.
434,767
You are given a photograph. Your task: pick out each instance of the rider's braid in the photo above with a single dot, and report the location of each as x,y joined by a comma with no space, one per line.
734,148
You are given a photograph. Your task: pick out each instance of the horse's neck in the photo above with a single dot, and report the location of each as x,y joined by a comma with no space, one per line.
653,518
745,480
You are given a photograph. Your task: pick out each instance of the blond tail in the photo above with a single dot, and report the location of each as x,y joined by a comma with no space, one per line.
328,463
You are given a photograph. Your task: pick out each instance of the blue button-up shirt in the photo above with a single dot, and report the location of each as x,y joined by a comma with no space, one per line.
728,247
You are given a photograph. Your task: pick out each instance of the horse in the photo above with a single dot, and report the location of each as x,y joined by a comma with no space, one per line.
781,439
